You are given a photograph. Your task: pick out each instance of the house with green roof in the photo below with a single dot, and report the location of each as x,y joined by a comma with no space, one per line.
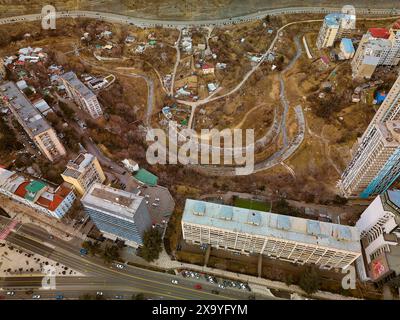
34,189
146,177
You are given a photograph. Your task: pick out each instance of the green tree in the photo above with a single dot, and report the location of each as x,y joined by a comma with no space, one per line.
110,253
289,280
310,281
151,245
92,247
138,296
339,200
8,140
68,111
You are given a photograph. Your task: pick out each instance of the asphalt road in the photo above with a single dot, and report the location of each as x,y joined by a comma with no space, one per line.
117,18
99,276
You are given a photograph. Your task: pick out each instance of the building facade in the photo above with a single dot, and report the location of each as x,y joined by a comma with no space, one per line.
379,226
377,164
54,202
374,165
288,238
117,214
335,26
377,47
81,94
83,171
37,128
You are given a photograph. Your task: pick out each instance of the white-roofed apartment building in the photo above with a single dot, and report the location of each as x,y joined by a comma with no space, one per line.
282,237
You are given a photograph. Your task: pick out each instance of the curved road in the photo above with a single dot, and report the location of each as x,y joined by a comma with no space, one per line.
117,18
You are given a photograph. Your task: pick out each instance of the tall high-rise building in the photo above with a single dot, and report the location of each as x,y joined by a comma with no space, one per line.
81,94
37,128
379,226
377,163
378,46
335,26
388,111
83,171
276,236
117,214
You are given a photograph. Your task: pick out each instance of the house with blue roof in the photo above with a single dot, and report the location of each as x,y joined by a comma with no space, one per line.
346,48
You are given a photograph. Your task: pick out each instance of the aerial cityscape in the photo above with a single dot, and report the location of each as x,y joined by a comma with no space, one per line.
186,150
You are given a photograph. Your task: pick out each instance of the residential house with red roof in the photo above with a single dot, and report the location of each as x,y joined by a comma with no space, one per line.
379,46
54,202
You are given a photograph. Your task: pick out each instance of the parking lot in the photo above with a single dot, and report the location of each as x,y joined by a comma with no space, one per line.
218,282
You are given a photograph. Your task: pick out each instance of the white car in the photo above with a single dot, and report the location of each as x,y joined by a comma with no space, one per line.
99,293
10,293
175,281
119,266
36,296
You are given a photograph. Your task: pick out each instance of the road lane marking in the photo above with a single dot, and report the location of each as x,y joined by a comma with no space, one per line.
123,274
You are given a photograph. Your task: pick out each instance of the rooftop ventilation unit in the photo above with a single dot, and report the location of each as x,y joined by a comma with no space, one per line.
254,218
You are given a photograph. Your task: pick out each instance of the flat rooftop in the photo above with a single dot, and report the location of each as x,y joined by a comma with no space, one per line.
73,80
24,108
334,19
113,201
78,165
267,224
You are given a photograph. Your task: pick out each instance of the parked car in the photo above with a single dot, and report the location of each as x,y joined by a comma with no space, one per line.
174,281
10,293
198,287
119,266
36,296
99,293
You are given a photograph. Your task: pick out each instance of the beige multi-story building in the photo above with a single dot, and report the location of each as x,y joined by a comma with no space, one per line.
37,128
81,94
378,46
335,26
2,69
83,171
277,236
